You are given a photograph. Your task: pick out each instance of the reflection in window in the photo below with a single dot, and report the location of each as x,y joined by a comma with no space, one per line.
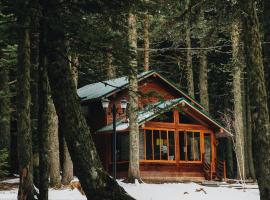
164,145
141,138
182,143
148,141
189,146
186,119
207,147
157,144
171,145
164,117
122,147
196,146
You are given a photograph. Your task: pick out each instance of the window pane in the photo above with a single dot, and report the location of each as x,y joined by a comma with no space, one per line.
122,147
148,143
141,144
164,117
171,146
186,119
157,143
207,148
197,149
182,145
164,145
190,153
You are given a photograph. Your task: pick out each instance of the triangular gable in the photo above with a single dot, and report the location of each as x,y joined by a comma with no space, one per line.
105,89
156,109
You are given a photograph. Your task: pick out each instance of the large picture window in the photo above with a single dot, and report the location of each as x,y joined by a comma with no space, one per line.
159,145
189,146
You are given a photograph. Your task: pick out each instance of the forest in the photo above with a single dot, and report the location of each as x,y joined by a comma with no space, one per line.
215,51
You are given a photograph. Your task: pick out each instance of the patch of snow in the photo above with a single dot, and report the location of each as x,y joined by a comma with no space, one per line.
13,180
66,194
186,191
167,191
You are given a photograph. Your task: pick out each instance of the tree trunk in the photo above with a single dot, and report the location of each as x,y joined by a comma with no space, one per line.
266,49
54,154
249,133
229,158
237,94
96,183
4,108
134,164
257,97
203,75
146,41
67,165
67,162
204,98
111,73
43,123
189,70
34,38
26,189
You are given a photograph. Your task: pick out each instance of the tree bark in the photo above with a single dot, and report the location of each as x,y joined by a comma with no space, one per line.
111,73
257,97
237,94
266,49
189,70
249,133
203,74
229,158
146,42
203,79
34,48
134,162
4,108
26,189
54,154
43,123
67,162
96,183
67,165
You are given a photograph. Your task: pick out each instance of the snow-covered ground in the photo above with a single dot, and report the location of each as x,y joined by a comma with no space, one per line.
166,191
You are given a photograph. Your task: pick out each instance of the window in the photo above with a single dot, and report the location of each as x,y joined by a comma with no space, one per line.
159,145
207,148
185,119
189,146
148,145
122,146
164,117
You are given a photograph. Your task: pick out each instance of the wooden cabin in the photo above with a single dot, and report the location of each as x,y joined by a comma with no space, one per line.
178,137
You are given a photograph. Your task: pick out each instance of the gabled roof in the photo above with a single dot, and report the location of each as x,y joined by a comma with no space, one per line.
105,89
156,109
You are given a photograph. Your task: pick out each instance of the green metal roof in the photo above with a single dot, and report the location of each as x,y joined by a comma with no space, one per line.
156,109
109,87
105,88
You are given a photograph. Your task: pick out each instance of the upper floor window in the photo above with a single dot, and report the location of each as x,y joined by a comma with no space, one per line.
164,117
186,119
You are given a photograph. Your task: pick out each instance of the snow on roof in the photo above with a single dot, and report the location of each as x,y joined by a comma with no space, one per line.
156,109
100,89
